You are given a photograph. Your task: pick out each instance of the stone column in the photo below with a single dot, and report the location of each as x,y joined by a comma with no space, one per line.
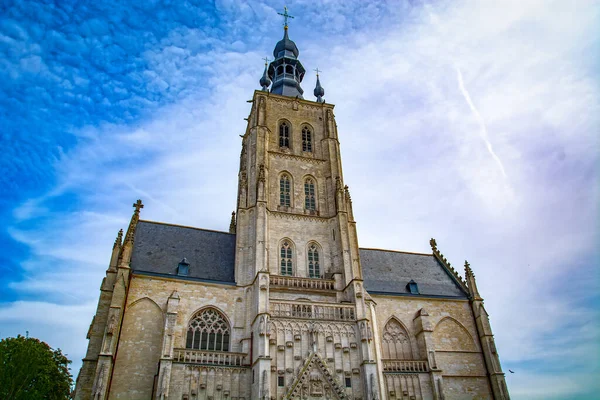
486,338
427,351
261,331
166,358
377,346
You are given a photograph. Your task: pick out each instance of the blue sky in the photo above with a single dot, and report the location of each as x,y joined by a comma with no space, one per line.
472,122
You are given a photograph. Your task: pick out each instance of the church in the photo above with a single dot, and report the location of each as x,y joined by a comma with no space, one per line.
285,304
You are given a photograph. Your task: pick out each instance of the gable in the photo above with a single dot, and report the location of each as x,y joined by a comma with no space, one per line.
386,271
315,381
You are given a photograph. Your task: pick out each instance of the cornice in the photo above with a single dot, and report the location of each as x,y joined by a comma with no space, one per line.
297,157
286,99
298,217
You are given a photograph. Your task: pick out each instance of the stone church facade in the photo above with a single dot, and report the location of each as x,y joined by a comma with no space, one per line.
285,305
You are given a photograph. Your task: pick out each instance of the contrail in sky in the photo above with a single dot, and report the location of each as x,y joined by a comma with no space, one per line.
483,131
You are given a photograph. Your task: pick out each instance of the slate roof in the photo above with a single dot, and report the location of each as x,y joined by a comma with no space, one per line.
386,271
158,248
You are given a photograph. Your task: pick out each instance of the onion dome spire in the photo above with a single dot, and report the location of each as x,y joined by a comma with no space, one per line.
286,71
265,81
319,92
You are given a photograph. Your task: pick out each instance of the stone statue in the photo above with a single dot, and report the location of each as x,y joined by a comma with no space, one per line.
261,326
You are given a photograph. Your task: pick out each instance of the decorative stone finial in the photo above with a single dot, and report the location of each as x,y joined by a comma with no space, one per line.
433,244
347,193
119,239
138,205
232,223
468,270
470,278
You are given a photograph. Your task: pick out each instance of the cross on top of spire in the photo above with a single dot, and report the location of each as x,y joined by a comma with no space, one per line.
266,60
285,16
138,205
317,70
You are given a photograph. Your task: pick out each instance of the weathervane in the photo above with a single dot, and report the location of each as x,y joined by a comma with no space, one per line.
285,16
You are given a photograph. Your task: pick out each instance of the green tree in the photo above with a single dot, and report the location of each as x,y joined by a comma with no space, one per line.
31,370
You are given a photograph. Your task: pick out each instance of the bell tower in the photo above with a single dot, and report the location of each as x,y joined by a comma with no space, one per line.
296,242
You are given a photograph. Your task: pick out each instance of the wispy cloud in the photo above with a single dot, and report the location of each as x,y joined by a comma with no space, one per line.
483,131
121,108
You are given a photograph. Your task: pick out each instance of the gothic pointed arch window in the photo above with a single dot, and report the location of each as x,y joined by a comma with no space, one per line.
396,342
314,267
284,135
310,202
208,330
285,190
306,139
285,258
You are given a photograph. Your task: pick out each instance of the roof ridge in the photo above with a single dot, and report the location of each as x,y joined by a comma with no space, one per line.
185,226
396,251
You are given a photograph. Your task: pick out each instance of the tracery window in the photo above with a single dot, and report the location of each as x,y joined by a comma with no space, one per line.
284,135
309,194
286,258
306,139
314,271
208,330
284,191
396,344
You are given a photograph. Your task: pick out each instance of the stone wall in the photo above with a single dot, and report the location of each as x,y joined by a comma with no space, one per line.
457,352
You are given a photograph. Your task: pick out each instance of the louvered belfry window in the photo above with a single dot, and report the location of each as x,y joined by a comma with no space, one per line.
314,271
284,191
208,330
286,258
306,139
309,195
284,135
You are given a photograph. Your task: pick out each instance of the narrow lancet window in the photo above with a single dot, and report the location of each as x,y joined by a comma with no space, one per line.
306,140
314,271
208,330
309,195
284,135
284,191
286,258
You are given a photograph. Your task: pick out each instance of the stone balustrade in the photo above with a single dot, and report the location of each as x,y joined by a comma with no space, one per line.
302,283
210,357
333,312
405,366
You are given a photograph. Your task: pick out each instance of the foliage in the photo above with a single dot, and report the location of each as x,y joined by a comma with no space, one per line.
31,370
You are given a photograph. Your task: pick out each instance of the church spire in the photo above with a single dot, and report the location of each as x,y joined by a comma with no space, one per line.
319,92
286,71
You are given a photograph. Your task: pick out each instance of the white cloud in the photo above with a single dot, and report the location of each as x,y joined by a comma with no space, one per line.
409,143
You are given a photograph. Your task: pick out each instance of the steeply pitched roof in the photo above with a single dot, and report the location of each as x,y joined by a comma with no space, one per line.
386,271
158,248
